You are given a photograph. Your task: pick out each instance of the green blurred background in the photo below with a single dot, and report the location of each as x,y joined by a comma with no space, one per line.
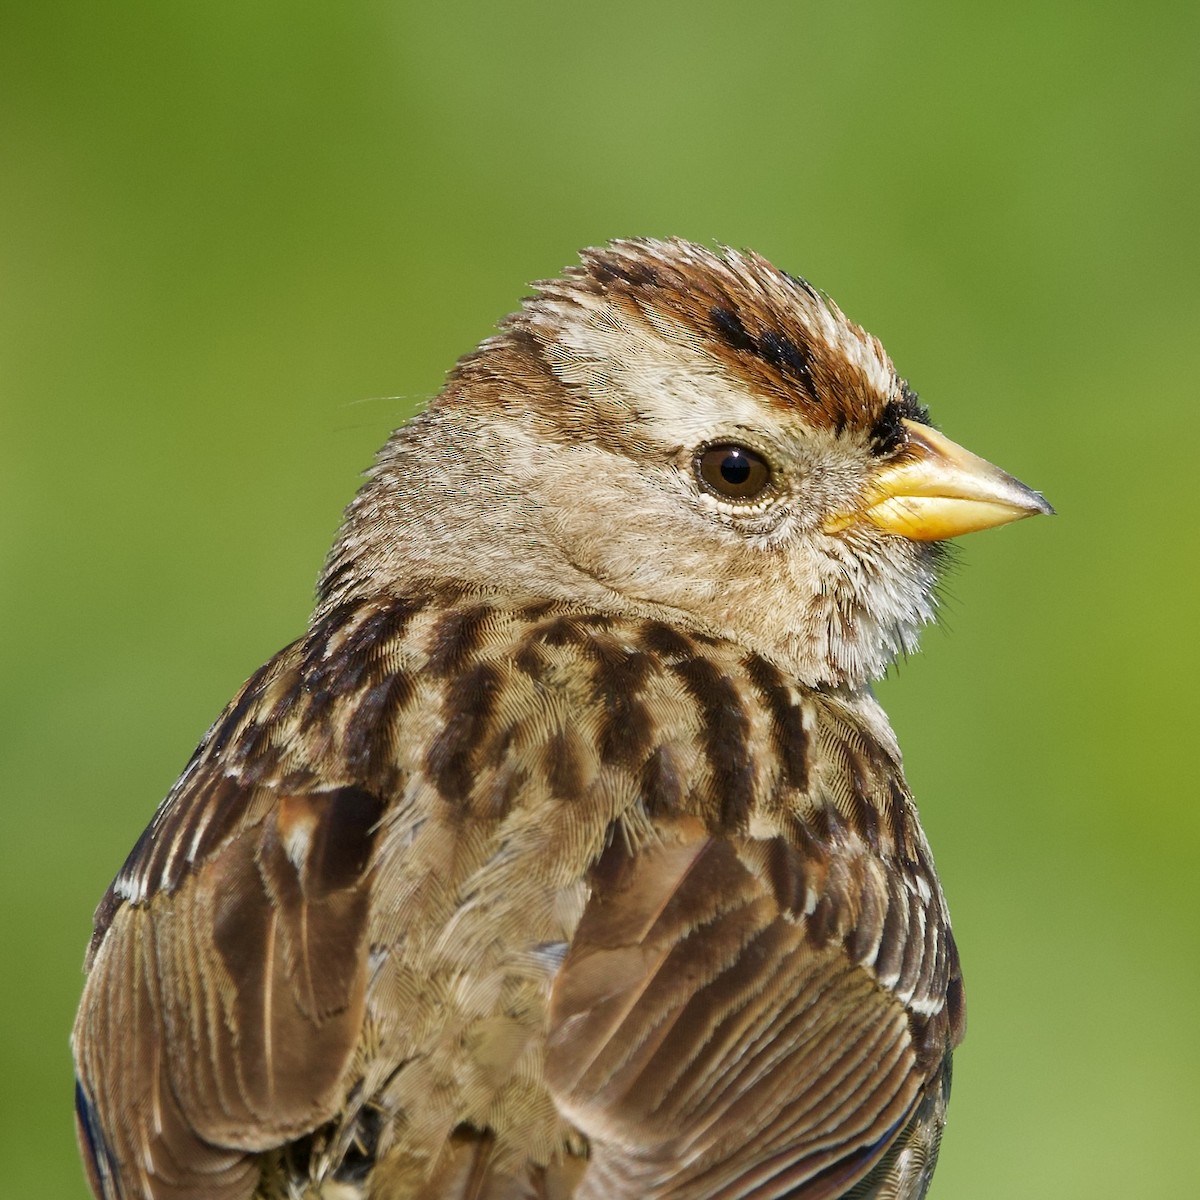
241,241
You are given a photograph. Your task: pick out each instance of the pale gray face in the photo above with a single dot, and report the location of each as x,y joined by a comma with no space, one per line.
673,431
644,506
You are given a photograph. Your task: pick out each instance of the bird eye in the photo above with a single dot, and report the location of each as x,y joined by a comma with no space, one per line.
733,472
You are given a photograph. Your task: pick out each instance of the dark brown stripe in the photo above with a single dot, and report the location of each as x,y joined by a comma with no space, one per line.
532,613
382,629
145,867
467,708
358,661
892,942
789,357
863,817
626,728
827,828
786,871
456,638
222,804
341,846
251,751
317,642
564,767
637,272
956,1002
102,918
786,721
730,329
335,681
914,949
872,912
663,640
209,813
567,630
289,697
771,345
626,733
803,285
821,923
725,730
371,733
696,1037
228,725
334,575
662,787
898,818
494,800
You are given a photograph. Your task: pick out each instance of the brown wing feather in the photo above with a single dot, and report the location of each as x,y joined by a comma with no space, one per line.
221,1022
758,999
709,1044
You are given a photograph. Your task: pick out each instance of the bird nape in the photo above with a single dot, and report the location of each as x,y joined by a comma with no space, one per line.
568,853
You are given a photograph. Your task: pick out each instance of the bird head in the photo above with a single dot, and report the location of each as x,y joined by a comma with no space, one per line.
692,434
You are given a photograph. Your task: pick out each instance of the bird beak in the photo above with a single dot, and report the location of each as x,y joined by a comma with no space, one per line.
939,490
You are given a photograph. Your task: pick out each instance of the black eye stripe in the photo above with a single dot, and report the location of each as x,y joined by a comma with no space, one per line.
732,472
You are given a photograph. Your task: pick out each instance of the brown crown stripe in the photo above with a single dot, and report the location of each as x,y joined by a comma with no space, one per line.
766,324
772,346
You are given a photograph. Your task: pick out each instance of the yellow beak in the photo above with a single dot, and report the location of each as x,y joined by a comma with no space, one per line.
939,490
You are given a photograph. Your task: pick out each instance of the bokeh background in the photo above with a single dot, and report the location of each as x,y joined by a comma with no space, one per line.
241,241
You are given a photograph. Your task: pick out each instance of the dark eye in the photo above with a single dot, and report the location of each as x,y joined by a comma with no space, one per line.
732,471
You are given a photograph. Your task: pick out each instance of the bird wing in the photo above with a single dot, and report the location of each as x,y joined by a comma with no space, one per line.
713,1038
227,972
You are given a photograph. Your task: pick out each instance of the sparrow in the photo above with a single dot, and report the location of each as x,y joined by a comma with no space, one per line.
568,852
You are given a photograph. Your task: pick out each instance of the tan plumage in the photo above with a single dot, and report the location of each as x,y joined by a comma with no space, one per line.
567,854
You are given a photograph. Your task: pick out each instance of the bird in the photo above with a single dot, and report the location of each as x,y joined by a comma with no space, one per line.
568,853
